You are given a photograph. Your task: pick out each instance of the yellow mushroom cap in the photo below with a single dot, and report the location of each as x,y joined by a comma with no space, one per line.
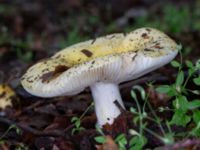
6,96
113,58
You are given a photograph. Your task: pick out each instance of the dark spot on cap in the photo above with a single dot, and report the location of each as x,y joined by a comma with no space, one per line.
112,37
147,49
29,80
47,76
87,52
45,70
108,118
3,94
53,74
60,69
149,30
145,36
36,78
157,46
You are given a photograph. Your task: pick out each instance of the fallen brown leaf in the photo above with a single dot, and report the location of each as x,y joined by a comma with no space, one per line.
108,145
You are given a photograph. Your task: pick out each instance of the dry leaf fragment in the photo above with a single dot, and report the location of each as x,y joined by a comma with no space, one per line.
108,145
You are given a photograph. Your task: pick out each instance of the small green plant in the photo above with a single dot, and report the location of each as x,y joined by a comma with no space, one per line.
121,141
11,127
102,138
77,121
21,146
139,140
186,111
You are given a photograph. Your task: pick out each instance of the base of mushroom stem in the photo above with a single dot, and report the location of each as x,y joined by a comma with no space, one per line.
107,101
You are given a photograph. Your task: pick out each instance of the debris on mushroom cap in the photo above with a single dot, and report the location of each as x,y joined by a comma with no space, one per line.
6,96
112,58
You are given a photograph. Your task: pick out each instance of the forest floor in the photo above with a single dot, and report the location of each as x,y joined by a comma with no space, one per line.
33,30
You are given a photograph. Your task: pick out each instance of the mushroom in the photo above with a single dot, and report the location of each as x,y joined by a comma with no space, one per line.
101,64
7,95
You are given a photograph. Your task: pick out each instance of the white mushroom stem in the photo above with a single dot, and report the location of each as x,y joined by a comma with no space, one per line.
105,95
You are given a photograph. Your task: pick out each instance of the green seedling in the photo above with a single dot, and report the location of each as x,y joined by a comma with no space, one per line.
137,142
21,146
102,138
139,139
11,127
77,121
185,111
121,141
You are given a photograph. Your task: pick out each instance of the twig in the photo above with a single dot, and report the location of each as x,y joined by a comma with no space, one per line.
188,143
119,106
32,130
55,133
